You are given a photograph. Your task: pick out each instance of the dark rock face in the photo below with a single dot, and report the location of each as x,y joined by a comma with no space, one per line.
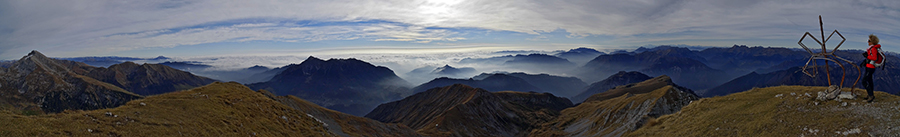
452,110
557,85
347,85
147,79
618,111
618,79
36,81
496,82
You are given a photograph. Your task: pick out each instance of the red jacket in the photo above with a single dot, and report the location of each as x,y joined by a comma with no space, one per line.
873,55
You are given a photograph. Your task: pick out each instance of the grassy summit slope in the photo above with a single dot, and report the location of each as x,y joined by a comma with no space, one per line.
218,109
780,111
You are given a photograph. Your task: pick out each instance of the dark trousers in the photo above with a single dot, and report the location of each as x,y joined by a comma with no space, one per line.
868,82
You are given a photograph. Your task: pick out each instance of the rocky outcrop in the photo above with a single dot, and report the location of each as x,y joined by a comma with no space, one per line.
618,79
36,81
451,110
630,108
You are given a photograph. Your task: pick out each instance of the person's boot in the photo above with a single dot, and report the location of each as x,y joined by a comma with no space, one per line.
870,99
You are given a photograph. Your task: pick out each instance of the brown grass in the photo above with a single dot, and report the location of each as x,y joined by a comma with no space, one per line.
758,112
218,109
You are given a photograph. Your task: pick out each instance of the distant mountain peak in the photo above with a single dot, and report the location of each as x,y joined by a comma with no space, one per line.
258,67
33,52
161,58
311,58
584,50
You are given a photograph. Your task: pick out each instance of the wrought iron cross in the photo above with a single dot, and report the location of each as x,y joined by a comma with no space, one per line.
827,56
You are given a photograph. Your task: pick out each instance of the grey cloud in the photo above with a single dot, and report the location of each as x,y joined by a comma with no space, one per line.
38,24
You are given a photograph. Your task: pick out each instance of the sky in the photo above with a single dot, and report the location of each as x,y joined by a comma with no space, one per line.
191,28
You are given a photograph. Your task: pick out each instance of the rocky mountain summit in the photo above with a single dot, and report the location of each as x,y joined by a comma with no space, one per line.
38,83
453,111
620,110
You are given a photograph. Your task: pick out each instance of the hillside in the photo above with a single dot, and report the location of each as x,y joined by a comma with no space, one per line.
147,79
453,111
618,79
218,109
780,111
36,84
628,107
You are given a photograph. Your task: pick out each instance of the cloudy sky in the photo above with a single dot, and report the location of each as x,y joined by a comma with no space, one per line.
149,28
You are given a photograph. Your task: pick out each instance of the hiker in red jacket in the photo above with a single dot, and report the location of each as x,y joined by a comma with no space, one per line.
874,58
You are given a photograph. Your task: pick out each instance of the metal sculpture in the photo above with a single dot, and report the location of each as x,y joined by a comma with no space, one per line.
828,56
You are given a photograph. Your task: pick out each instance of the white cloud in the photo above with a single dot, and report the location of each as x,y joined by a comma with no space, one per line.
91,26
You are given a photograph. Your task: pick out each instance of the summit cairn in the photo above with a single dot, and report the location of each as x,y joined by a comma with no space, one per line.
833,91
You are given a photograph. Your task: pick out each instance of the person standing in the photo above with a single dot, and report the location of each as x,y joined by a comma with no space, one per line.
873,59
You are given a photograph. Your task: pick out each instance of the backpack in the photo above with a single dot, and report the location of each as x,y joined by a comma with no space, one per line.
881,56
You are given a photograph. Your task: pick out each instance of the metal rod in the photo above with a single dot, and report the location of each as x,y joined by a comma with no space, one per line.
824,51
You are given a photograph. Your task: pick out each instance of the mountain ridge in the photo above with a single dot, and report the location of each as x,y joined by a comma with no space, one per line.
348,85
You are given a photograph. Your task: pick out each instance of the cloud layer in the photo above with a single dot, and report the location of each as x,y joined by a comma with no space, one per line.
91,27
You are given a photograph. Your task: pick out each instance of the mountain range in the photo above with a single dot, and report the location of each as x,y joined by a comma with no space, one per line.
147,79
537,62
579,55
743,88
496,82
556,85
38,84
57,85
620,110
460,110
347,85
110,60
